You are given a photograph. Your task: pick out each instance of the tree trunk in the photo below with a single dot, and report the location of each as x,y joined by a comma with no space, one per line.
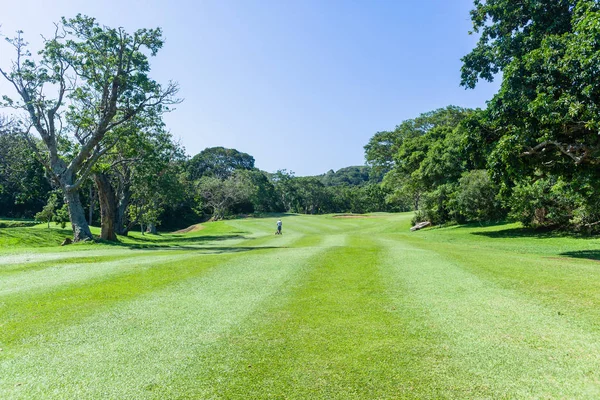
120,226
81,229
108,207
92,205
151,228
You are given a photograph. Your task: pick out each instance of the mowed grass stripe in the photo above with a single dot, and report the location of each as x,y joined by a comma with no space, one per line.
23,315
50,276
569,287
131,349
333,335
62,297
495,342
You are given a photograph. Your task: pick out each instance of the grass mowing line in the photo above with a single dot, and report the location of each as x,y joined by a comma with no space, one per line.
331,335
35,281
105,256
25,315
567,286
133,348
497,342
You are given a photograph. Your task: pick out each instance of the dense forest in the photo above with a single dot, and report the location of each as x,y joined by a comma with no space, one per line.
101,153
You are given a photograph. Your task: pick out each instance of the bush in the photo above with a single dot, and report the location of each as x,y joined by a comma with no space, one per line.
544,202
436,205
475,198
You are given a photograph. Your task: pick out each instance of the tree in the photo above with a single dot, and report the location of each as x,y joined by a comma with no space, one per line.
428,156
476,197
133,166
544,121
353,176
47,213
509,30
99,76
263,197
24,188
283,181
547,107
220,195
219,162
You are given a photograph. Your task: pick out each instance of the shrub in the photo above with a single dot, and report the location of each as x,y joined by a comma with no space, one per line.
475,198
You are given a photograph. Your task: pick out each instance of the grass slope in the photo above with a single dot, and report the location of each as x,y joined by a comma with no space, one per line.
335,308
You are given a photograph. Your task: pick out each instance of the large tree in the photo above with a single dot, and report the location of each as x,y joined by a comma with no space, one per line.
547,112
219,162
87,82
134,165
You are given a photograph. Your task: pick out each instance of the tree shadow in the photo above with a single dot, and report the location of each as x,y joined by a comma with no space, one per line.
171,242
266,215
488,224
585,254
513,233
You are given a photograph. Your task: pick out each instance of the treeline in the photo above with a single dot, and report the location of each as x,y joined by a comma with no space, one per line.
147,181
87,143
90,143
533,154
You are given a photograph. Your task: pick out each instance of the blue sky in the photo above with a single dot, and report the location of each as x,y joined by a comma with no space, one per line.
300,85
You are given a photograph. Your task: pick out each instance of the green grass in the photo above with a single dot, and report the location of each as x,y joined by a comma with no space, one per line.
16,222
336,308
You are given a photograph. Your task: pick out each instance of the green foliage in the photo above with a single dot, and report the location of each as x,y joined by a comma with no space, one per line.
353,176
475,198
509,30
218,162
431,156
23,184
541,129
61,216
544,202
48,212
80,93
219,196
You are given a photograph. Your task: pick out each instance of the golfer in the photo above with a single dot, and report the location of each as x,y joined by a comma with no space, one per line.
278,227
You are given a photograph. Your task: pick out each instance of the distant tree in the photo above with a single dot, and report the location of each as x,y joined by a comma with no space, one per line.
24,188
380,151
283,181
353,176
311,195
218,162
221,195
263,197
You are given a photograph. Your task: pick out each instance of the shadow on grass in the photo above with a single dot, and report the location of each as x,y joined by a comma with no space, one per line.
586,254
200,250
540,233
483,224
519,233
171,242
264,215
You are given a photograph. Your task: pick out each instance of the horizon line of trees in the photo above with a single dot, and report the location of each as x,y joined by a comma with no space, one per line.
87,135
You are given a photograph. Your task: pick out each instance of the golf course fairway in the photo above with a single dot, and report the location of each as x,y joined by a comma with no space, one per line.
338,307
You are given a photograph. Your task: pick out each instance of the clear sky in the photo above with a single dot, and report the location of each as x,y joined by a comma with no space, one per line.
300,85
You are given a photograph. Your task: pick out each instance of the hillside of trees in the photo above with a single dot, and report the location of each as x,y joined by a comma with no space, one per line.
96,151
